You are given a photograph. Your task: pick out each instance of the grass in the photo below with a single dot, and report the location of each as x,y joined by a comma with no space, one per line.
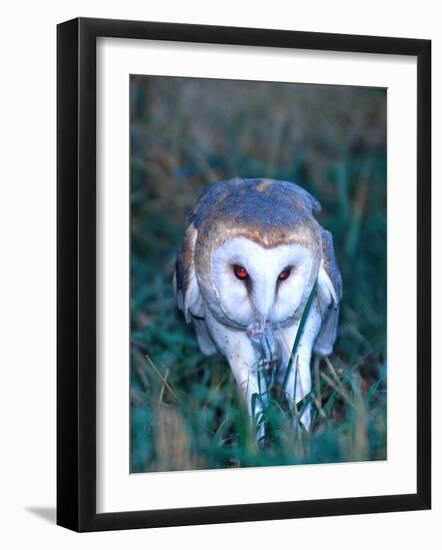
185,133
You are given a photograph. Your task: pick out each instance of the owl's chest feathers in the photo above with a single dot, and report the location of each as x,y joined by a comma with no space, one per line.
237,346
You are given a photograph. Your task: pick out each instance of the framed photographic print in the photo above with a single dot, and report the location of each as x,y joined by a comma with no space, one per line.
243,274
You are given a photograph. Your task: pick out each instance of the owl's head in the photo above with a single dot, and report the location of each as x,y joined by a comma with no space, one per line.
251,253
254,283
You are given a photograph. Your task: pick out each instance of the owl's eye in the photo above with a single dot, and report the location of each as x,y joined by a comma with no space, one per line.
240,272
284,274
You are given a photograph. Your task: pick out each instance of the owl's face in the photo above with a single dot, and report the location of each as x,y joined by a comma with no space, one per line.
255,284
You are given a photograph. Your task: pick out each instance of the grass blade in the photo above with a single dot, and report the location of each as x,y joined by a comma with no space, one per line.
299,333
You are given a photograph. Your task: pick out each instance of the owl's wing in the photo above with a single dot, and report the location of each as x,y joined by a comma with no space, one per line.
205,341
187,291
329,296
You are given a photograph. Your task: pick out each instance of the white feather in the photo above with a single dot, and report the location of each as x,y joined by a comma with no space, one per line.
325,286
266,297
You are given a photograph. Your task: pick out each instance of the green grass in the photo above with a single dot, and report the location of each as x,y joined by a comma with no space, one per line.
185,133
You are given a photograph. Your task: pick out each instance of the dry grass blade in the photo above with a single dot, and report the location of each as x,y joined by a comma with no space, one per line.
317,380
339,388
332,370
172,440
160,398
317,404
360,442
161,377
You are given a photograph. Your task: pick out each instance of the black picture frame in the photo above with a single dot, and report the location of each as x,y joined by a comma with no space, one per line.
77,287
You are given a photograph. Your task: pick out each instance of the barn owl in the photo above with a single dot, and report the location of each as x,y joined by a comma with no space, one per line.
251,256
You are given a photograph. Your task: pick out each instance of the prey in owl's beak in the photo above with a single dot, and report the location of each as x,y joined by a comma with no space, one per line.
254,330
264,341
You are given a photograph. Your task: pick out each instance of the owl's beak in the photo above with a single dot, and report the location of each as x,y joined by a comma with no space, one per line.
263,300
